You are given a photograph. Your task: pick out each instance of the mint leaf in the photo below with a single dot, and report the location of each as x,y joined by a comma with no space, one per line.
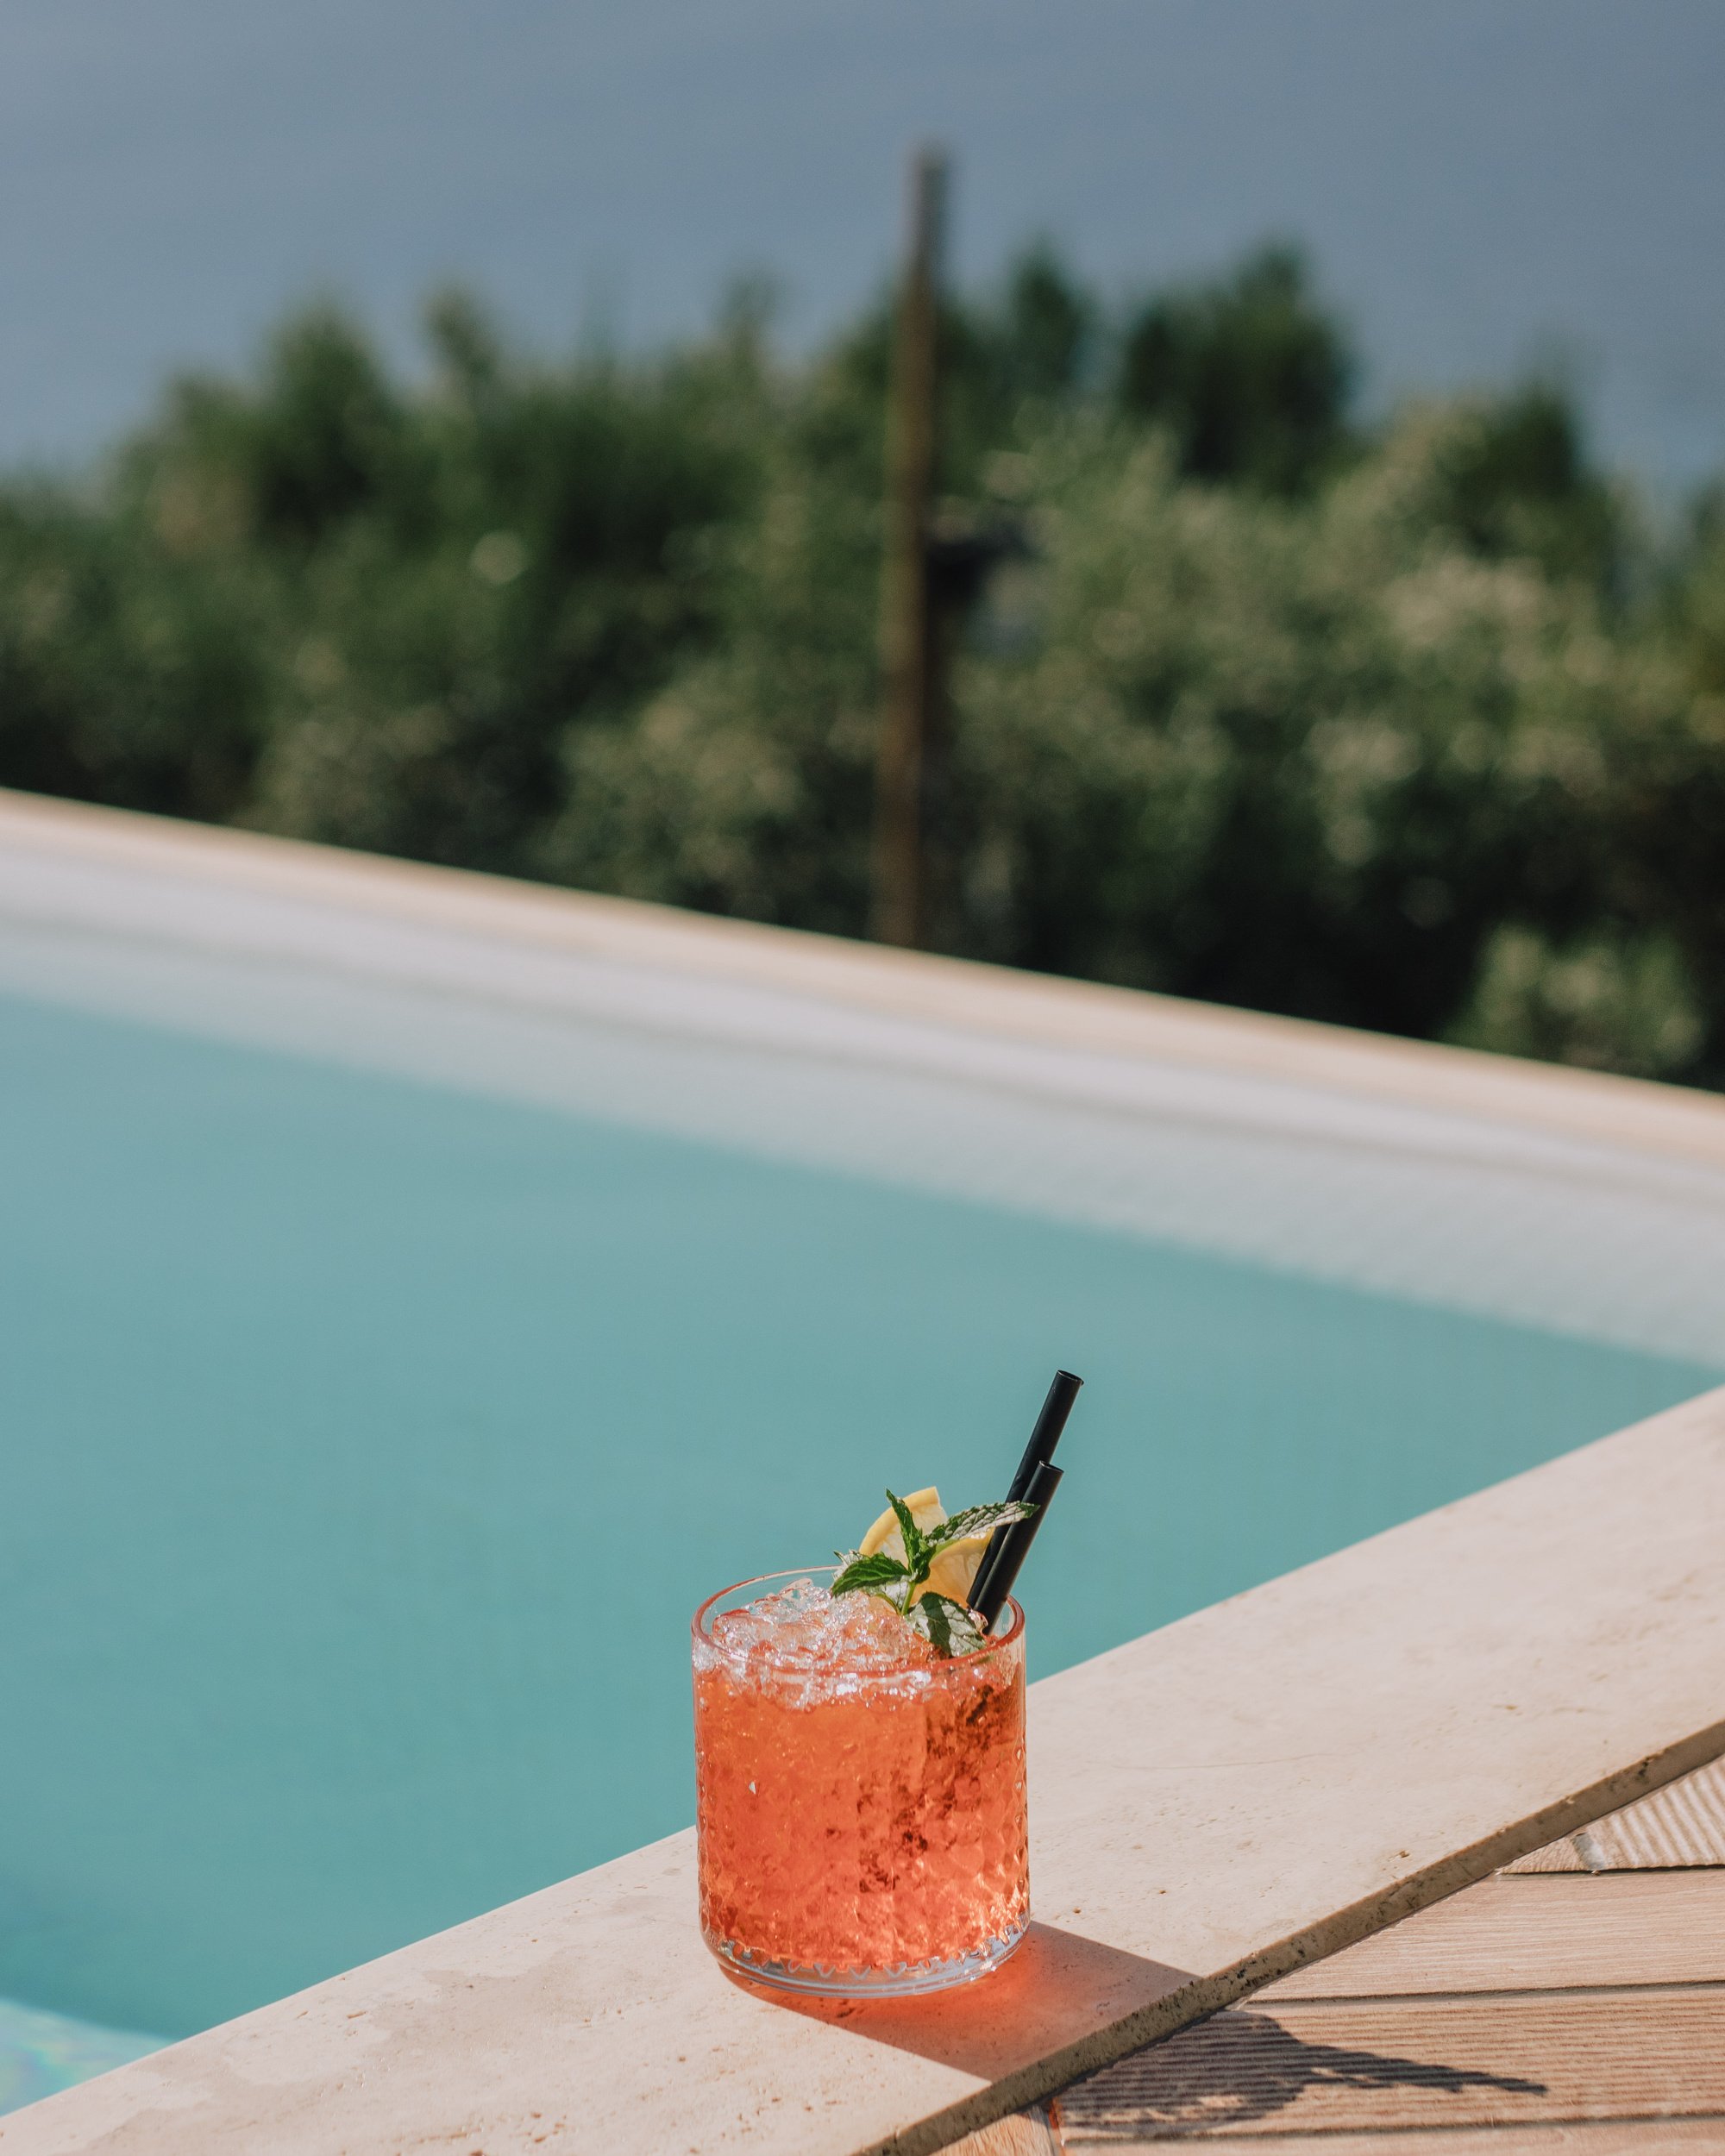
869,1572
980,1519
916,1550
947,1626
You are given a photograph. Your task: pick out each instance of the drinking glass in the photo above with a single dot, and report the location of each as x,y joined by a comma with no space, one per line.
860,1799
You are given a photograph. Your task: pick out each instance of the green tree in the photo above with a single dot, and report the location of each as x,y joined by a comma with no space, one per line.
1248,374
1411,727
1516,480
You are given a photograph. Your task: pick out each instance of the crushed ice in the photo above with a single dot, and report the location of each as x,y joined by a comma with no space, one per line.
814,1640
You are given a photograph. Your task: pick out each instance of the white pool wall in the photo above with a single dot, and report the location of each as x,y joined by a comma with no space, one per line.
1591,1205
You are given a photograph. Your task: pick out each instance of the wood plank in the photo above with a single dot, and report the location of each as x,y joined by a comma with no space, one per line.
1432,2064
1595,2137
1025,2133
1510,1934
1677,1828
1213,1806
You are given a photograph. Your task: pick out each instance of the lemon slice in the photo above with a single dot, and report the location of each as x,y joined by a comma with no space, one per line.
924,1506
954,1571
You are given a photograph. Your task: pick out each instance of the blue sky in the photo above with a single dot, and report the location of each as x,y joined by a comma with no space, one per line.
1485,183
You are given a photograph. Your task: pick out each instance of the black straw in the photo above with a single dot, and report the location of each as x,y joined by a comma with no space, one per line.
1046,1435
1010,1544
1010,1547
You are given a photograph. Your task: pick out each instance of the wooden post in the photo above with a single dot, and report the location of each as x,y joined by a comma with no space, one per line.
911,665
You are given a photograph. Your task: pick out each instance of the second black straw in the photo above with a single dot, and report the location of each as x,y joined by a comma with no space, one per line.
1035,1484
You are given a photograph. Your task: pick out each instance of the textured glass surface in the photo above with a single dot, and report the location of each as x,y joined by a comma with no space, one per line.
860,1799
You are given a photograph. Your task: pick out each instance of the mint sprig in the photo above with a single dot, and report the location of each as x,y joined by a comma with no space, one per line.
918,1549
983,1519
876,1571
948,1625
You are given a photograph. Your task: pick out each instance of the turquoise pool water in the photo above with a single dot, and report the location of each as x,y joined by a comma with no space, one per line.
367,1445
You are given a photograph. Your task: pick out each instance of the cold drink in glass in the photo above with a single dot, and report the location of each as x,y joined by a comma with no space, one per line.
859,1796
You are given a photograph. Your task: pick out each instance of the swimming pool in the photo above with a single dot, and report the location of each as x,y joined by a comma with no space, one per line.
370,1436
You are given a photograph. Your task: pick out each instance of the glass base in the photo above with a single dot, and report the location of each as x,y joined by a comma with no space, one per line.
901,1980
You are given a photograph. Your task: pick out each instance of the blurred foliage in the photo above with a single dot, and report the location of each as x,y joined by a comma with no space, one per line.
1249,376
1417,726
1615,1004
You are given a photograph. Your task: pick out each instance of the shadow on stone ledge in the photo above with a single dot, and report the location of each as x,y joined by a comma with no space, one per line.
1058,1989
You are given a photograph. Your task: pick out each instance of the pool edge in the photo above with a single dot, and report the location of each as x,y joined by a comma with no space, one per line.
1216,1803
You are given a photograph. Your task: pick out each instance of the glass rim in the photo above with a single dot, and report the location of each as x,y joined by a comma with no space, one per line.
991,1645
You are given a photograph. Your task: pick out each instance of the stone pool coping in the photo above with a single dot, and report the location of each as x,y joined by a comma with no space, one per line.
996,1002
1213,1806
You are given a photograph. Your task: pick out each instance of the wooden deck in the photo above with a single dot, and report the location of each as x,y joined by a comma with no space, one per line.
1574,2001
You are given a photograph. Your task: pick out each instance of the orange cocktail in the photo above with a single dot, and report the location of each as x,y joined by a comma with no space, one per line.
859,1796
